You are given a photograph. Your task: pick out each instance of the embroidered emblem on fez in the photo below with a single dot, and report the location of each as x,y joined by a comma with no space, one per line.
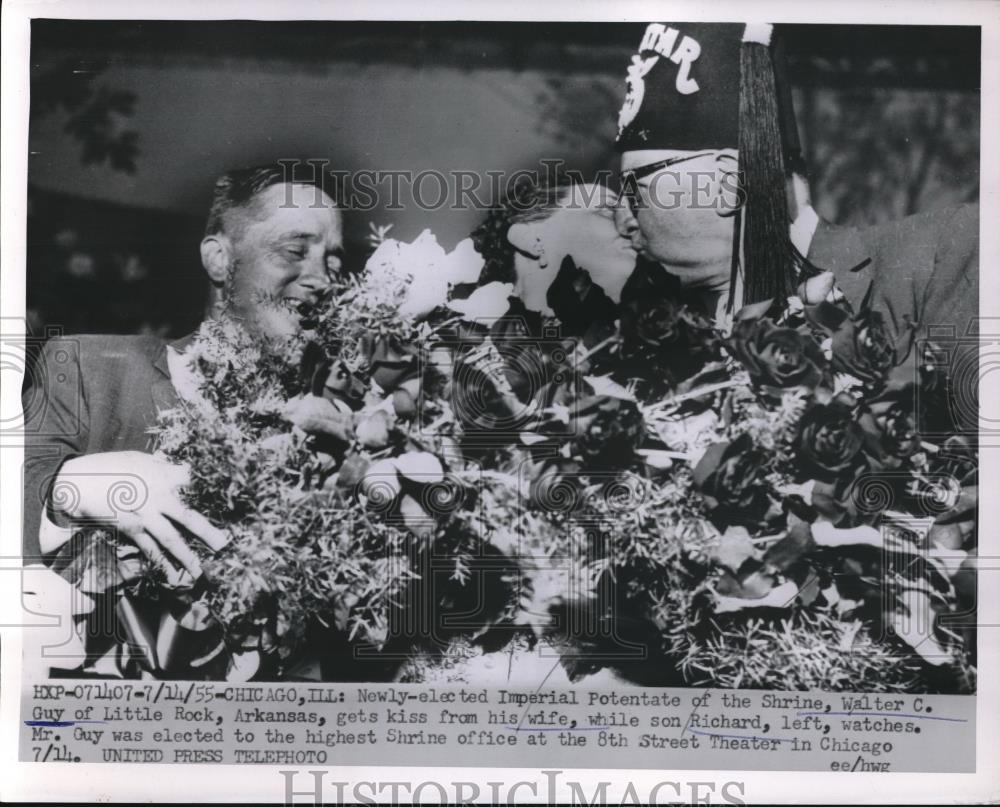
682,88
636,89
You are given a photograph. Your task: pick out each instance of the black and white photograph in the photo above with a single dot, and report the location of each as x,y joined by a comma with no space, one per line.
549,356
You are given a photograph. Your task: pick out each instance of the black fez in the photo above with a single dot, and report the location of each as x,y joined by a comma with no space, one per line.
693,86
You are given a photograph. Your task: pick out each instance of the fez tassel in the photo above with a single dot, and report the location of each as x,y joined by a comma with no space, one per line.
768,260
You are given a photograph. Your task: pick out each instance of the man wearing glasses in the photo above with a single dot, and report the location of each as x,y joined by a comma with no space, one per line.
713,189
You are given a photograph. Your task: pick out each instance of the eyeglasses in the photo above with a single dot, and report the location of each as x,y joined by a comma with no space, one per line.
630,178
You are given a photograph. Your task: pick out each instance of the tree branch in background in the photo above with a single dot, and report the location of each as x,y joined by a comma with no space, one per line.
94,112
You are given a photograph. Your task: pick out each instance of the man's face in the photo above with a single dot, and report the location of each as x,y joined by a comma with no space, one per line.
674,215
286,246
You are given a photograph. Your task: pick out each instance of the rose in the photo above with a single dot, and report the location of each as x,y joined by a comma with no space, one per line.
329,379
654,321
390,363
864,349
372,429
830,440
861,345
890,427
775,357
650,324
420,273
606,431
485,303
729,477
664,340
599,431
342,385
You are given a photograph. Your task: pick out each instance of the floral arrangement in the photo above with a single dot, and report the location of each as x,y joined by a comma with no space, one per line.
753,508
765,490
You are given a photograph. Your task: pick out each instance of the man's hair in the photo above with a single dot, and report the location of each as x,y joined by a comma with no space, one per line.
236,190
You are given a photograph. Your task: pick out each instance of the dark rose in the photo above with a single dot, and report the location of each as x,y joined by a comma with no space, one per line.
862,345
389,362
949,393
890,428
341,384
650,324
830,440
729,477
776,357
664,338
330,379
605,431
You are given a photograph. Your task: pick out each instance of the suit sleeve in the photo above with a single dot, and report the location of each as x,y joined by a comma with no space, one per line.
951,298
950,313
56,429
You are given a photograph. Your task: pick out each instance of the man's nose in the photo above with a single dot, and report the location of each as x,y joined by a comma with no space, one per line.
315,277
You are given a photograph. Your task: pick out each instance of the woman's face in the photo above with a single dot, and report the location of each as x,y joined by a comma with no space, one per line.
583,226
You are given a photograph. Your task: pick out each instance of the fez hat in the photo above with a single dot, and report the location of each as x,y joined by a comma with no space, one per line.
695,86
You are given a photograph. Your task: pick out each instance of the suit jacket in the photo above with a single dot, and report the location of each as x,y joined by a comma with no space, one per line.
922,274
91,394
88,394
923,270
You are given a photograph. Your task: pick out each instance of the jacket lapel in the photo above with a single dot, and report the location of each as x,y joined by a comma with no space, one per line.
163,392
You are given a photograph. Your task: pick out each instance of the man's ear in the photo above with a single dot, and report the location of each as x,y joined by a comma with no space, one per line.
524,237
216,257
728,195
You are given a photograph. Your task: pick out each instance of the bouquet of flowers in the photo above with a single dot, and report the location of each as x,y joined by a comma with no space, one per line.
754,509
431,465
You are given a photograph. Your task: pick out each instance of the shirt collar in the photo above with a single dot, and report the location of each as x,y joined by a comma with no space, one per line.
803,229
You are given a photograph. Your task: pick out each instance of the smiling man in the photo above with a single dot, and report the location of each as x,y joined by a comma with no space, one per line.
273,241
270,245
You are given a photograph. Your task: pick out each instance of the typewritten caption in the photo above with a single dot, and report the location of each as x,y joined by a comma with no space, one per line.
307,724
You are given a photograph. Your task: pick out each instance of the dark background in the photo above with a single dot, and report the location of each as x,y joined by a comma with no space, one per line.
132,121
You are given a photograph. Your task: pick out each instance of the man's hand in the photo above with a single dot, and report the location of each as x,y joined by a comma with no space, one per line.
138,494
815,290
